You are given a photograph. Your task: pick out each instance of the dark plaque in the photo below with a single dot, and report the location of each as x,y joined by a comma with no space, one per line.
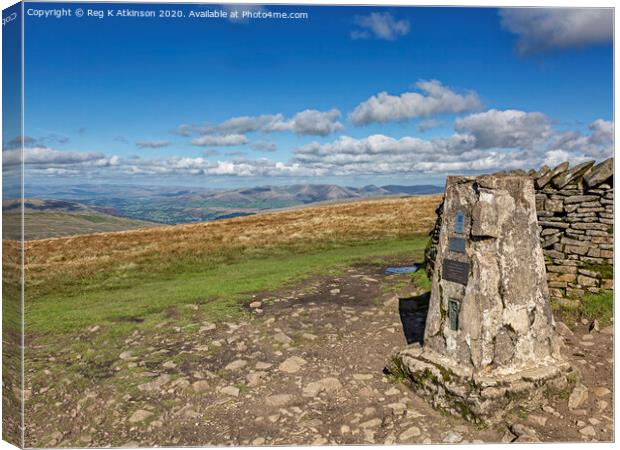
455,271
454,308
459,222
456,244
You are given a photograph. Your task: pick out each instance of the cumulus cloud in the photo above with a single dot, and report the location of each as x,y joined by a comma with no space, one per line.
598,144
435,98
309,122
44,155
265,146
313,122
152,144
29,141
428,124
506,129
226,140
380,26
545,29
184,130
482,142
248,124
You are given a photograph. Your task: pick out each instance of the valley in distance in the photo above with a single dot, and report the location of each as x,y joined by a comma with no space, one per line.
56,211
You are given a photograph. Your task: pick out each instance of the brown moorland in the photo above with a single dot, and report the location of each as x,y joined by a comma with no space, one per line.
158,249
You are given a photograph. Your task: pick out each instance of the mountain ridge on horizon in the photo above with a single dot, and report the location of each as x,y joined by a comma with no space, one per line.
174,205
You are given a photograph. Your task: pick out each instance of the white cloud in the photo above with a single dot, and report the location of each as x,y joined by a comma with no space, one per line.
313,122
152,144
434,99
309,122
506,129
484,142
265,146
598,144
428,124
45,155
602,132
248,124
381,26
226,140
544,29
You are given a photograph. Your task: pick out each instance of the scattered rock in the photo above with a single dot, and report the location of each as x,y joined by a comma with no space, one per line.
588,431
207,327
594,326
278,400
236,365
601,391
397,408
373,423
255,378
254,305
230,390
453,437
282,338
578,396
292,364
201,386
156,384
392,391
263,365
410,433
125,355
538,420
140,415
327,385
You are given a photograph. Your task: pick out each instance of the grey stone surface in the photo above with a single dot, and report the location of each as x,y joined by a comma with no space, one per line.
504,341
600,173
575,214
503,321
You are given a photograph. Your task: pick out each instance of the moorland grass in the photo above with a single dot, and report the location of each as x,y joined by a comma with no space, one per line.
217,288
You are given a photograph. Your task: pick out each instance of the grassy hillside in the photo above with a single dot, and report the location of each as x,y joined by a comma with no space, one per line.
133,276
55,218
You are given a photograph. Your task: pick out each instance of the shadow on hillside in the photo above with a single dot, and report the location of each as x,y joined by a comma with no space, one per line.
413,312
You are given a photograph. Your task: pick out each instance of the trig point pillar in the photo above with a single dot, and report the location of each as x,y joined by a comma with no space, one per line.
489,341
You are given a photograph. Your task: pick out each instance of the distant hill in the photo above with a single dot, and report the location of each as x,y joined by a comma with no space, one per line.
423,189
176,205
55,218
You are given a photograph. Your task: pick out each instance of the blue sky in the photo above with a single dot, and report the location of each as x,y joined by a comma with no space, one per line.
222,103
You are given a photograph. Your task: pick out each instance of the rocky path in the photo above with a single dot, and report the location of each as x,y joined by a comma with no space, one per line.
304,366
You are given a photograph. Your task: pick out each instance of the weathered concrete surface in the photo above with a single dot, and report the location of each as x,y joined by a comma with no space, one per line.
504,333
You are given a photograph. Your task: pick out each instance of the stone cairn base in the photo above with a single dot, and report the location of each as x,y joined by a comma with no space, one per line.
478,398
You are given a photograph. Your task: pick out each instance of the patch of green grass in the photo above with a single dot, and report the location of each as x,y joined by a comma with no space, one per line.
396,370
223,287
605,270
421,280
599,306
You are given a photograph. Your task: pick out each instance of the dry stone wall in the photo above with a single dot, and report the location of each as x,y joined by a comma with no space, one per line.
575,217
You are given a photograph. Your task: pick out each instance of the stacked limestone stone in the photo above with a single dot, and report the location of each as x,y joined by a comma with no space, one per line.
575,214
